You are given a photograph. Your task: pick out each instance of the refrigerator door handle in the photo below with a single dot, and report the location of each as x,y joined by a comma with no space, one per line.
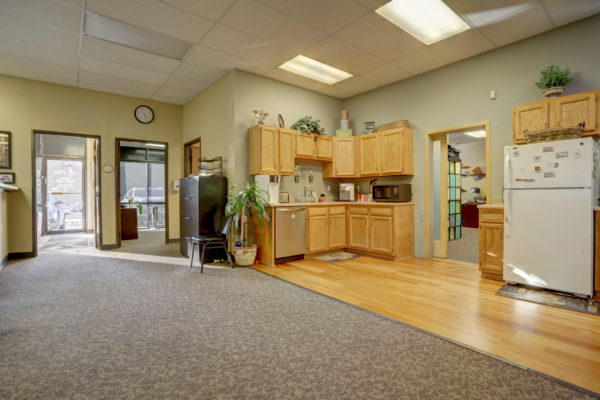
507,206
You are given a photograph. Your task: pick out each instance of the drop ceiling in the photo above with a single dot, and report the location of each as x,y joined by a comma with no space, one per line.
43,40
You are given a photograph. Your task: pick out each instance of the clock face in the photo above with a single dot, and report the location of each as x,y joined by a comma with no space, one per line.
144,114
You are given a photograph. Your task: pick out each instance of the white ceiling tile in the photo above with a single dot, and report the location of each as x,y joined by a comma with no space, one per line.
420,61
372,4
356,85
211,9
113,84
226,62
43,12
37,52
199,73
329,16
463,45
385,74
153,15
177,93
342,55
478,6
74,3
528,22
259,69
376,35
170,100
294,79
20,28
103,50
247,46
177,82
271,25
563,12
120,70
38,70
334,92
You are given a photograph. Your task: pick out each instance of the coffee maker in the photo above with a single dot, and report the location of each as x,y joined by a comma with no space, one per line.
347,192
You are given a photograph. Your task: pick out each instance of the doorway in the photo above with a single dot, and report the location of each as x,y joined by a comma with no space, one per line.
451,194
142,195
66,191
191,155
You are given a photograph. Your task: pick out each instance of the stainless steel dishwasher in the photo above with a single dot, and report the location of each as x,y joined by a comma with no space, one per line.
290,232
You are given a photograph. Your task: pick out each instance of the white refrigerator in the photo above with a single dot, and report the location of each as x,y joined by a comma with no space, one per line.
550,190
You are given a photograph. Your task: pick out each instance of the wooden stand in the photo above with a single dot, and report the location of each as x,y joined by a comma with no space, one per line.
129,223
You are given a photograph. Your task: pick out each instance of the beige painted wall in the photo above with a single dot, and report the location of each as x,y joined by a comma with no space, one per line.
4,224
459,94
209,116
27,105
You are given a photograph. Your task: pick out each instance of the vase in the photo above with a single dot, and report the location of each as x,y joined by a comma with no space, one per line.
554,91
244,256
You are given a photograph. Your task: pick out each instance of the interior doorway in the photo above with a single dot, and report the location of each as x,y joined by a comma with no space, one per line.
191,156
66,191
142,195
454,188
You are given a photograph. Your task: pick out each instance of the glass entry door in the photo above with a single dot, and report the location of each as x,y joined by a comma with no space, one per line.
63,194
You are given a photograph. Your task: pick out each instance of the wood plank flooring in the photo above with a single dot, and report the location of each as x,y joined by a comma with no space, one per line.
449,298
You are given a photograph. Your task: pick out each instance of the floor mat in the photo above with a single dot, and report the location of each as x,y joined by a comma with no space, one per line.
550,298
337,256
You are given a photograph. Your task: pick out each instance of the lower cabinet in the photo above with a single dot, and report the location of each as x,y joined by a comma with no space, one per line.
491,243
326,228
381,234
337,227
358,227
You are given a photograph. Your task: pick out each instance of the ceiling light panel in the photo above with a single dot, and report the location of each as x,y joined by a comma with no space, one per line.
476,134
118,32
428,20
316,70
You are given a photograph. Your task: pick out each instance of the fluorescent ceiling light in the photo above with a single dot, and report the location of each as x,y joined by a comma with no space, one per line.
118,32
476,134
316,70
486,17
428,20
157,145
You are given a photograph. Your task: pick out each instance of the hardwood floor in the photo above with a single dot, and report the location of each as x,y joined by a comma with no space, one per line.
449,298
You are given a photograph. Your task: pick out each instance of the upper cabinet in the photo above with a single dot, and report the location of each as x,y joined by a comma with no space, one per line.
305,145
558,112
286,151
396,152
264,150
369,154
324,147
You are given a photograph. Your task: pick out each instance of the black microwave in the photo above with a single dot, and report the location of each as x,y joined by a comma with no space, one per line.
400,192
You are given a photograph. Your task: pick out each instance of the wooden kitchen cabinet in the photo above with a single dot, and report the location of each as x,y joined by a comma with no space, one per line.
337,228
597,254
563,111
344,159
286,151
358,229
305,145
324,147
369,154
491,242
263,149
381,234
396,152
317,229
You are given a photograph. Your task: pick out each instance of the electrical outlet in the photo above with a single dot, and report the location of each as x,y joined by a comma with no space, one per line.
493,95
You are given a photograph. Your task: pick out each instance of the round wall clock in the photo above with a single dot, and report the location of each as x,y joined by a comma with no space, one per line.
144,114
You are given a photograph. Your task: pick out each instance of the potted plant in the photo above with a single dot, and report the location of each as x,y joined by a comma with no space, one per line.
553,80
129,219
308,125
248,203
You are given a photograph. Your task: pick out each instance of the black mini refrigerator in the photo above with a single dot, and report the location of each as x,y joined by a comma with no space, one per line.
202,202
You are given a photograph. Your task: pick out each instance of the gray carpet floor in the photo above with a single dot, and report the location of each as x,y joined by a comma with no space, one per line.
78,326
466,248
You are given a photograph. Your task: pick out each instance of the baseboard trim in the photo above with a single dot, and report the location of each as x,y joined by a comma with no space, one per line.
20,255
175,240
109,246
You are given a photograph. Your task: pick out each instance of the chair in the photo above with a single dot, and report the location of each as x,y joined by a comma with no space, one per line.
218,241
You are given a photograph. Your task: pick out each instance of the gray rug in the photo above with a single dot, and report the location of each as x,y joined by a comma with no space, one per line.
337,256
74,326
466,248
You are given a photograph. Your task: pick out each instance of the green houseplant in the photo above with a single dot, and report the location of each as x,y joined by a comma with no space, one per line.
248,203
131,203
553,80
308,125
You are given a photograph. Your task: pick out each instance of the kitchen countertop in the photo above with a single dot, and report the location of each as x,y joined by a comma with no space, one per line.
342,203
493,206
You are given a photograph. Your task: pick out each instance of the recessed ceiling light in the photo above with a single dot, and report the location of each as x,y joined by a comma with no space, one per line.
428,20
118,32
316,70
476,134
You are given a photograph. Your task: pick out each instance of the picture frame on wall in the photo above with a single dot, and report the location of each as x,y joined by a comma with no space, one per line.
5,150
7,177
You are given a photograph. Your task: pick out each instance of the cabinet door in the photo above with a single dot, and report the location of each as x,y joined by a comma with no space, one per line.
531,117
317,233
324,147
305,145
286,152
358,235
337,231
382,234
269,150
491,249
344,156
571,110
369,154
391,152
